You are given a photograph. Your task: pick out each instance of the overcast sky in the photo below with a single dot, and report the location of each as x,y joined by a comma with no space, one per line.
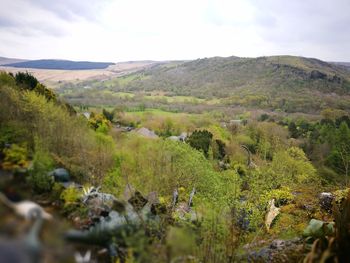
123,30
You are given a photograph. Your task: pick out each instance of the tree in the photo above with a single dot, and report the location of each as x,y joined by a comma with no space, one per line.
108,115
200,140
292,128
340,154
292,166
26,80
219,149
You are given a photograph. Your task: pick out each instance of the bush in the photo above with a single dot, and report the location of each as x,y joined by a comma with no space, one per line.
200,140
70,195
40,180
15,157
67,138
282,196
163,165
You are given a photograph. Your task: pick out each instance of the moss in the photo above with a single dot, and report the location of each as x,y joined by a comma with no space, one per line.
340,195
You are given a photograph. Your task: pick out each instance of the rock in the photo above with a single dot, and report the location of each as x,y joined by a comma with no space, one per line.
326,200
243,221
60,175
277,251
174,138
277,244
71,184
315,74
273,212
183,136
147,133
318,228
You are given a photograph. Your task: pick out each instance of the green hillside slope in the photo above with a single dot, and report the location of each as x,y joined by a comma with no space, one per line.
286,83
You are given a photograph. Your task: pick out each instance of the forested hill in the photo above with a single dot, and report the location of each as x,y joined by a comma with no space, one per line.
222,77
60,64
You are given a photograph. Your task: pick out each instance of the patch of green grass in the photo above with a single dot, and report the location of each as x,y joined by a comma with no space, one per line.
157,113
124,95
175,99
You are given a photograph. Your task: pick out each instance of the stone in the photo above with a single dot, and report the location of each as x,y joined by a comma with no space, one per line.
60,175
272,213
326,201
318,229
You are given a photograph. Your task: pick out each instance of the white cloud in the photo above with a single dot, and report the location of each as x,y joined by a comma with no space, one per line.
158,29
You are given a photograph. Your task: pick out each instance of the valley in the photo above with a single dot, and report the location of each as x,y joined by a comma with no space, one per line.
210,160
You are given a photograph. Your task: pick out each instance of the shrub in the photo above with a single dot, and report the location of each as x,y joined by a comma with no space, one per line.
67,138
200,140
163,165
40,180
15,157
282,196
70,195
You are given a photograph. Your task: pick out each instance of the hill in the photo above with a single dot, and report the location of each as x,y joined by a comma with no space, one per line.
343,64
222,191
222,77
4,61
286,83
60,64
55,77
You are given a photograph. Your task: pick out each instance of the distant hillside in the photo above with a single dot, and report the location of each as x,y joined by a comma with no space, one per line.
59,64
4,61
222,77
286,83
342,64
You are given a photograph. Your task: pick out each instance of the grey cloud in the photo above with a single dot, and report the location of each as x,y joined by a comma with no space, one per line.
72,9
320,21
8,22
31,29
22,19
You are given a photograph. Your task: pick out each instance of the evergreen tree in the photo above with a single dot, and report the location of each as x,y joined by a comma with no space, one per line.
340,154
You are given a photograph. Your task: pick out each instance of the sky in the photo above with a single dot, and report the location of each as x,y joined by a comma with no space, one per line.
125,30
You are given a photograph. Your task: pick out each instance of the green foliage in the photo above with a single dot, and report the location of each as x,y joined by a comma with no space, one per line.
98,120
180,241
200,140
292,166
294,133
56,192
70,195
163,165
7,79
112,182
15,157
282,196
47,93
339,157
218,148
66,138
262,83
11,133
26,80
341,195
40,180
108,115
264,117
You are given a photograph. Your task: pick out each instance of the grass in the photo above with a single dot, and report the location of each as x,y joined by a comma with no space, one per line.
175,99
158,113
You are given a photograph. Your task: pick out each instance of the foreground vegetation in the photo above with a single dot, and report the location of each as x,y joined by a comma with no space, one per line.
235,165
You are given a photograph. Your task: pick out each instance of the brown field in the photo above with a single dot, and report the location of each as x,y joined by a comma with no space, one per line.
53,77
